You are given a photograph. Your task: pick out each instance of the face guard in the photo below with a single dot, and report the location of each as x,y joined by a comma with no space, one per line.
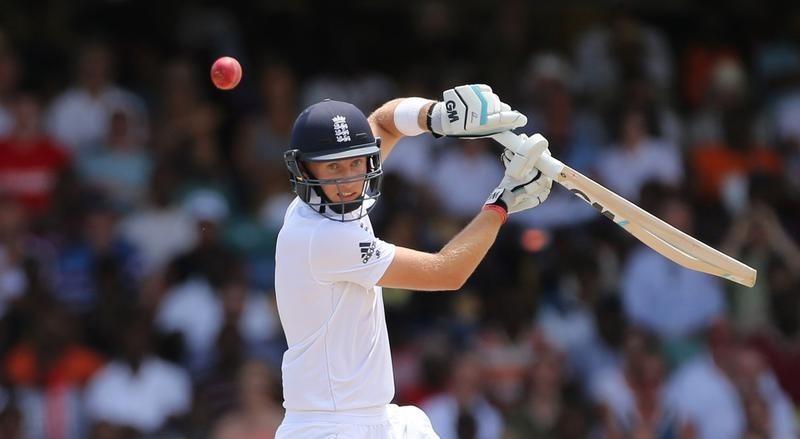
309,188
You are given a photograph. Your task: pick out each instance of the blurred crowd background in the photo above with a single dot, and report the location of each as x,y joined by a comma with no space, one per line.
139,208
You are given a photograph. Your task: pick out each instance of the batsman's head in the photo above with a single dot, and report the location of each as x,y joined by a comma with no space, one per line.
334,161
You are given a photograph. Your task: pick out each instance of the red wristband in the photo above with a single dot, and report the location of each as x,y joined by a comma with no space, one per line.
497,209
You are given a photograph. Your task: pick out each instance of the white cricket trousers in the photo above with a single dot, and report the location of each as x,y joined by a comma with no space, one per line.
390,422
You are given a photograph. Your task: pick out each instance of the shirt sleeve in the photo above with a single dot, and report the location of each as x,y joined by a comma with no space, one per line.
344,252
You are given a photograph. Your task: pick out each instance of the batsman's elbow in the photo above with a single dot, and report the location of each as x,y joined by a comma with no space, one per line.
455,282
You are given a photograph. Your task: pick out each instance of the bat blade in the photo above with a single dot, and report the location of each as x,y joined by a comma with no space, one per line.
650,230
655,233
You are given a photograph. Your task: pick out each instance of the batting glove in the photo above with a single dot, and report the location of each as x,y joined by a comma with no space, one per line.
472,111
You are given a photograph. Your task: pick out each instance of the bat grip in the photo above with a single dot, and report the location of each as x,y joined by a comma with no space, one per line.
546,163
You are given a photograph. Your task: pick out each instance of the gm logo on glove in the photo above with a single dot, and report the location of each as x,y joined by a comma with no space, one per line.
452,114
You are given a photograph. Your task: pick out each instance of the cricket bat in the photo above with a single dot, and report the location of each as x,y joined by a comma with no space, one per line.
653,232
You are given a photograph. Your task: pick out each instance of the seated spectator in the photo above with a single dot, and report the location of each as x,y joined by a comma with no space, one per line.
162,229
118,166
706,391
758,238
780,62
191,310
81,115
618,49
506,359
662,296
462,409
49,369
259,412
720,86
79,255
460,196
137,389
264,135
637,157
631,397
721,169
192,307
51,355
254,315
31,162
768,411
604,349
779,343
543,407
701,391
574,134
567,317
216,394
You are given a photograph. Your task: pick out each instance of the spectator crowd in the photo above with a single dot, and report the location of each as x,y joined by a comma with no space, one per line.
139,209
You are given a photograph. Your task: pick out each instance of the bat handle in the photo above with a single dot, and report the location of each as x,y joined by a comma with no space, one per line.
546,163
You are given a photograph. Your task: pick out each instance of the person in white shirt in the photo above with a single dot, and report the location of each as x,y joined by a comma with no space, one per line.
138,390
330,267
80,116
643,156
660,296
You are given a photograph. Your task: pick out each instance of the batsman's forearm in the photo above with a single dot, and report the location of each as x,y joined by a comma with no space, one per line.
382,123
466,250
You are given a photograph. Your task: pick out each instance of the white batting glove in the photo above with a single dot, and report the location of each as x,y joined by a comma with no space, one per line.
523,186
472,111
515,195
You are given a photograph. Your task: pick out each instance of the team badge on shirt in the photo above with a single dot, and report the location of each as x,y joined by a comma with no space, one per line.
367,250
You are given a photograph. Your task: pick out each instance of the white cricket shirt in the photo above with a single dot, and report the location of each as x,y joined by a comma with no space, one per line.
332,312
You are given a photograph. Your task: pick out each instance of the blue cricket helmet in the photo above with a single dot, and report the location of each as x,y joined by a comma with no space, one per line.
333,130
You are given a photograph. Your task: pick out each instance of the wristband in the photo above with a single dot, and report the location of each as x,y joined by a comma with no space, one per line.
406,116
497,209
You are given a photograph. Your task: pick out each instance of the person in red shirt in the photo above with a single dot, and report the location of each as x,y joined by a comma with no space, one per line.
30,160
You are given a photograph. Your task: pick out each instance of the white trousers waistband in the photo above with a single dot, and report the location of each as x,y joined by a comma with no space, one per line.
363,416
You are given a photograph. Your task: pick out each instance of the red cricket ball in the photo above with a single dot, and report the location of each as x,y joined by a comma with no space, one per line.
226,73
